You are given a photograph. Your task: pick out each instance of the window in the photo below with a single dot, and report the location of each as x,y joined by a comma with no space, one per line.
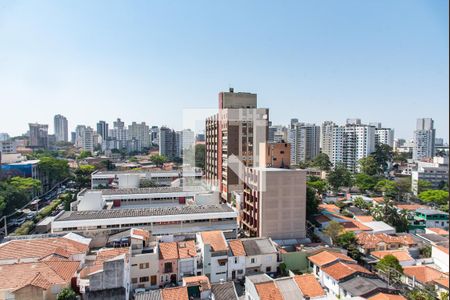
253,260
144,266
134,280
268,269
168,267
240,271
235,260
143,279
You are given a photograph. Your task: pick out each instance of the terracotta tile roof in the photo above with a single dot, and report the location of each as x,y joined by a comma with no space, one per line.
329,207
175,293
109,253
88,270
384,296
442,248
309,285
439,231
364,219
322,219
401,255
215,239
410,207
326,257
186,249
353,225
443,281
237,248
268,291
168,250
341,270
144,234
378,199
370,240
41,274
40,248
423,274
201,281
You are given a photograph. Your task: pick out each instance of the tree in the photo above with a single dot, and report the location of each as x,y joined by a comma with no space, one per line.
158,159
423,185
320,185
55,169
360,203
388,213
365,182
312,203
425,251
387,187
369,166
147,183
339,177
27,184
85,154
420,294
347,240
383,155
2,204
333,230
322,161
390,266
404,186
83,175
12,197
435,196
66,294
401,157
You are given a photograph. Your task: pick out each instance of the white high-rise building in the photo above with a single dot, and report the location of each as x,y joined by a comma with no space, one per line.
61,129
141,133
384,136
79,134
187,139
305,142
88,139
119,133
424,139
326,137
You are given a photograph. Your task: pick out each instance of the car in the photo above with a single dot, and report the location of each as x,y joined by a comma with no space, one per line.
139,291
31,215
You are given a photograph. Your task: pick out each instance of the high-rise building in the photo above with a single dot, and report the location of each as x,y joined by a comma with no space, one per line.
187,139
424,139
232,140
79,135
141,133
4,136
61,128
305,142
73,137
169,143
102,129
88,139
38,135
154,134
348,144
277,134
384,136
119,133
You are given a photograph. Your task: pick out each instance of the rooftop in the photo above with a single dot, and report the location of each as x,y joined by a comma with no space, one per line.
144,191
438,231
430,212
177,250
258,246
341,270
385,296
202,281
401,255
326,257
268,291
175,293
224,291
148,295
359,286
309,285
433,238
424,274
216,239
370,240
143,212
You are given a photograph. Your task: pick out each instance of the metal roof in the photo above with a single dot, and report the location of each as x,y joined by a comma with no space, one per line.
359,285
224,291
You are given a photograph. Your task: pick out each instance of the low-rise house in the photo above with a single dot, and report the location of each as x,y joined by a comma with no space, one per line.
432,239
214,254
423,276
379,227
198,287
108,276
403,256
33,249
362,286
168,263
440,255
433,218
386,296
326,258
263,287
175,293
368,242
36,280
224,291
438,231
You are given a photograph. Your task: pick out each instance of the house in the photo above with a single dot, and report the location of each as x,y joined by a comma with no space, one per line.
403,256
386,296
423,276
198,287
36,280
362,286
263,287
108,276
432,239
224,291
326,258
368,242
433,218
333,275
379,227
31,249
438,231
214,254
236,260
144,256
439,253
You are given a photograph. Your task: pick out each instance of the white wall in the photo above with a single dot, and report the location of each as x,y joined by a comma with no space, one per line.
440,258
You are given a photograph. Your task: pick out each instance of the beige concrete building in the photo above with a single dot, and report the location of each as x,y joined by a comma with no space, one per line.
274,203
274,155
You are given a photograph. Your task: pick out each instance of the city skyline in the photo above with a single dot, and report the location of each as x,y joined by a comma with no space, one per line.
363,62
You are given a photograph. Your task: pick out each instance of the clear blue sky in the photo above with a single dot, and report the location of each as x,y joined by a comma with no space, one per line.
381,60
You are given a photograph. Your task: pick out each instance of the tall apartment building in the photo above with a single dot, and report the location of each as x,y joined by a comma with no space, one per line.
274,199
102,129
169,143
119,133
384,136
38,135
305,142
61,128
140,132
277,134
4,136
154,134
79,134
424,139
88,139
9,146
348,144
187,138
236,131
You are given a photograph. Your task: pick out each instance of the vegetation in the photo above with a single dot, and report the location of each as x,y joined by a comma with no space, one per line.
16,192
435,196
383,155
347,240
55,169
85,154
425,251
360,203
423,185
46,211
390,266
369,166
388,213
365,182
66,294
387,187
339,177
83,176
319,185
420,294
322,161
147,183
200,156
333,230
312,203
158,160
24,229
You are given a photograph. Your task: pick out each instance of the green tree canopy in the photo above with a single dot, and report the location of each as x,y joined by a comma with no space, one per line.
83,175
200,156
158,159
390,266
423,185
312,203
383,155
26,184
84,154
347,240
365,182
333,230
66,294
387,187
360,203
322,161
434,196
55,169
388,213
319,185
339,177
369,166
